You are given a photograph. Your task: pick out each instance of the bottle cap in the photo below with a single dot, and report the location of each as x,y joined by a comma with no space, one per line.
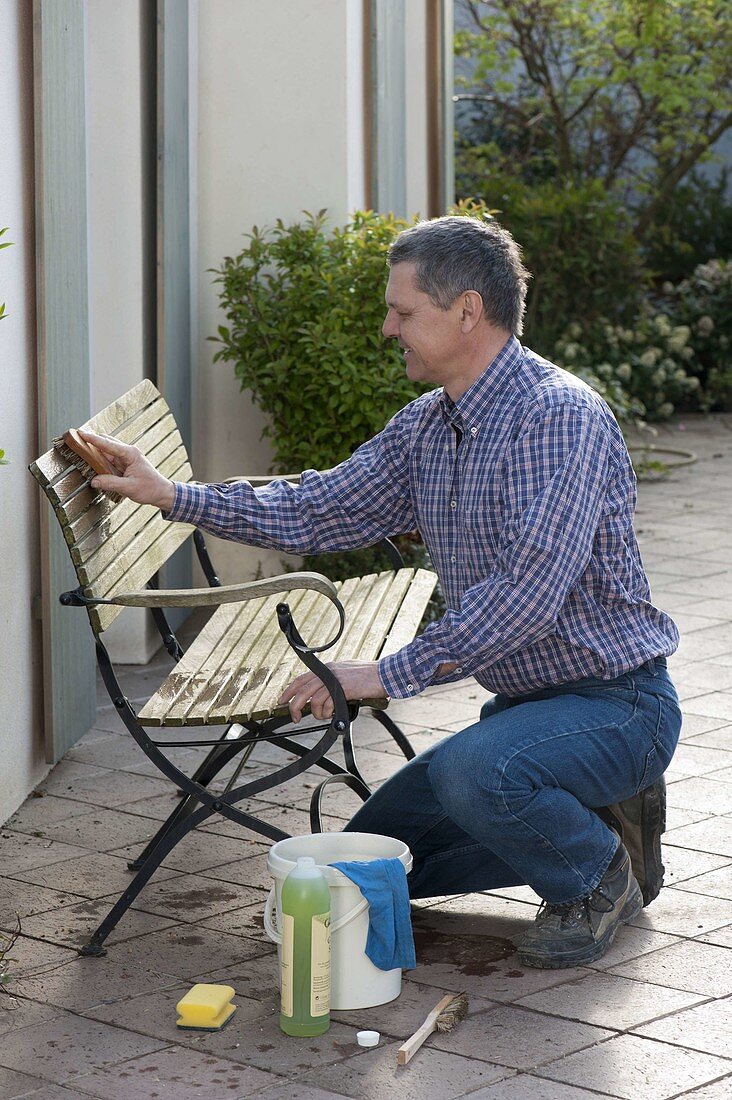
367,1038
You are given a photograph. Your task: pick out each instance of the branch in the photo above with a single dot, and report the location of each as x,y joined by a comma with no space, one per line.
677,173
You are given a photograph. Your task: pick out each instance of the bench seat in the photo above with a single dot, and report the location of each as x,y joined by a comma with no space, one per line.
240,663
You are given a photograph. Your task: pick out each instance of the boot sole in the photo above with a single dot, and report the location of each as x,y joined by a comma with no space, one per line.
632,908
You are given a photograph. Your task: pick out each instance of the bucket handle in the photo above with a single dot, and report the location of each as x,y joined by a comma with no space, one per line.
276,936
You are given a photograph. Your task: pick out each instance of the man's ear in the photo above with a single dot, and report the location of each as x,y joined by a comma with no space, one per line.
471,310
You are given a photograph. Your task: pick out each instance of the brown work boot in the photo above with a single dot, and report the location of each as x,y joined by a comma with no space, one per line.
578,932
640,821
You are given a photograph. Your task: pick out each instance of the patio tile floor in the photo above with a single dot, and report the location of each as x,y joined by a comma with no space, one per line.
650,1021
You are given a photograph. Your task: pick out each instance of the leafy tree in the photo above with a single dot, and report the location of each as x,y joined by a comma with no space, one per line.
634,93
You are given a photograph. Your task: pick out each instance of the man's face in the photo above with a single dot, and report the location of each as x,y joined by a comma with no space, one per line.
429,336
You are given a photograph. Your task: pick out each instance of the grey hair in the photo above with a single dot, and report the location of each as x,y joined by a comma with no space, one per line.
456,253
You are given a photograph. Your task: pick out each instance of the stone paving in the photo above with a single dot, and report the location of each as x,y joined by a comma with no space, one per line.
649,1021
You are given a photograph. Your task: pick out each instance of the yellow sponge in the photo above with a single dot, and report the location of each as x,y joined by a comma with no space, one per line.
206,1007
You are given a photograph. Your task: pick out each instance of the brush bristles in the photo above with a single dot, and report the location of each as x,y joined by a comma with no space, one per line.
456,1011
80,464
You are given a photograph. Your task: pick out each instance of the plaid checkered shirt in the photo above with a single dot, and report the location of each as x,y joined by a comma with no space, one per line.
524,494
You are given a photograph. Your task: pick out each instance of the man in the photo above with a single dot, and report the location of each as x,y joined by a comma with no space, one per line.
518,478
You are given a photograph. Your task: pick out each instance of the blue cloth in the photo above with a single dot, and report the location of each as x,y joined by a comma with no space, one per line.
524,494
383,882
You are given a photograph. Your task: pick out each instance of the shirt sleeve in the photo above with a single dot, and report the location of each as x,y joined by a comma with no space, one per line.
554,488
357,503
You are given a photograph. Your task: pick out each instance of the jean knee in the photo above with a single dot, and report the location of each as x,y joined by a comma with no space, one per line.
460,783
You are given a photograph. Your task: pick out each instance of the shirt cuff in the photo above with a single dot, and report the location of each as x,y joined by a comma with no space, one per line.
189,505
401,676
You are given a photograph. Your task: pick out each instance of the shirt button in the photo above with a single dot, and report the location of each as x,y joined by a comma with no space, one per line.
473,431
452,557
453,504
458,669
410,687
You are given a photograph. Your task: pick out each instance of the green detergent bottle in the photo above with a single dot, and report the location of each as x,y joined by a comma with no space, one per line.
305,956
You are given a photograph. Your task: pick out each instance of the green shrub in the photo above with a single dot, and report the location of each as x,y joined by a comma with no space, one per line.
578,245
653,361
695,223
703,303
304,310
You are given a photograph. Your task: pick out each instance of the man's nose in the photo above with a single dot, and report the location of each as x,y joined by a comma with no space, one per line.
390,329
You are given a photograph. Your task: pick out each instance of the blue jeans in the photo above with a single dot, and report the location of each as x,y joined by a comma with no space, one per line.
510,800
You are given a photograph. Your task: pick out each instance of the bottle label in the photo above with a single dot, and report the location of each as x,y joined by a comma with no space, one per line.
320,965
286,964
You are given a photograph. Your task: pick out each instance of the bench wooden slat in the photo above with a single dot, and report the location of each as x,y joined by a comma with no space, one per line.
214,657
140,572
70,492
241,662
410,612
50,465
371,644
106,542
319,622
269,649
91,526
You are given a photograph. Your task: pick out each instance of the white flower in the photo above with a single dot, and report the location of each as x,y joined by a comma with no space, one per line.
624,372
668,288
692,383
687,353
705,325
666,409
662,323
648,358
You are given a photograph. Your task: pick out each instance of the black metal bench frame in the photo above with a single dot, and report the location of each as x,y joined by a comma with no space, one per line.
198,803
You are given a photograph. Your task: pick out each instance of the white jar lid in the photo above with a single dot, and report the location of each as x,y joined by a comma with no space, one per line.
367,1038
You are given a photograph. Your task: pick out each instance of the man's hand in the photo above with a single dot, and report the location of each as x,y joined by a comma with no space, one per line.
359,680
135,476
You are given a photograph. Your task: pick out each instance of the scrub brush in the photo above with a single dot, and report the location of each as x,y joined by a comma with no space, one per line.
85,457
447,1012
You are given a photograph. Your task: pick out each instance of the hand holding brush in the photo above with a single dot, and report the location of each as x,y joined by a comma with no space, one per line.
447,1012
117,469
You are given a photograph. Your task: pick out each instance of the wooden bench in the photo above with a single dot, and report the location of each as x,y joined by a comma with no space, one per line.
244,656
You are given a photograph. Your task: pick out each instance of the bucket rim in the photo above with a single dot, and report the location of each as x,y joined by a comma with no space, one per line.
279,865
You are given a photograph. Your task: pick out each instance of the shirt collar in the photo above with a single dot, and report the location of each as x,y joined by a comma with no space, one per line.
470,409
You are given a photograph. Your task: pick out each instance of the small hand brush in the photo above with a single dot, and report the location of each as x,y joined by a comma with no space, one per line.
85,457
449,1011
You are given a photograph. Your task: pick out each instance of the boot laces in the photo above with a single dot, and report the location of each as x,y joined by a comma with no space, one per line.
573,913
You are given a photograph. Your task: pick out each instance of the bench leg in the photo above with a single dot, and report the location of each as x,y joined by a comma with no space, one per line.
165,845
390,725
217,759
161,849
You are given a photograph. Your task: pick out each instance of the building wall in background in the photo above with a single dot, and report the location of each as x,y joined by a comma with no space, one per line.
22,760
280,130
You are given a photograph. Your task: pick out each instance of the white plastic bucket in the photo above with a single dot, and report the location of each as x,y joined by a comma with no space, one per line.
354,980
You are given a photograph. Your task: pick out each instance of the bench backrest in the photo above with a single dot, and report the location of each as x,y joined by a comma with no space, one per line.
118,547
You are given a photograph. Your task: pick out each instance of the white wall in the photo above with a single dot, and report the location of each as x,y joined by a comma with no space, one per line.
280,130
116,302
416,107
22,763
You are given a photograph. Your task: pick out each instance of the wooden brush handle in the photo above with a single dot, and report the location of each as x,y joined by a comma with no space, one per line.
88,452
408,1049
